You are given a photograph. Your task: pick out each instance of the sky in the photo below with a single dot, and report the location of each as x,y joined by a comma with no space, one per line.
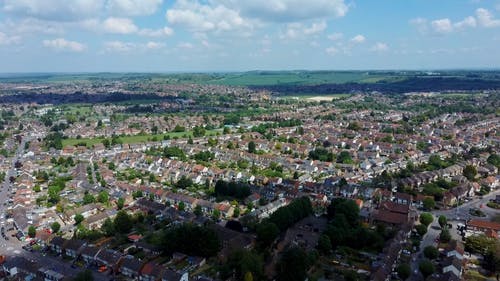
243,35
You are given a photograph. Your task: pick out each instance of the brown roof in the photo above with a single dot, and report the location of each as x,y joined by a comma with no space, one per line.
395,207
390,217
484,224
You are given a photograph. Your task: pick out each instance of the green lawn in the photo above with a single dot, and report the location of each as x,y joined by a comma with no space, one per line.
136,138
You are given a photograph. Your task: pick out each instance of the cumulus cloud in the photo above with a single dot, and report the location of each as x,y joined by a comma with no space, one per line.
289,10
133,7
298,30
119,46
154,45
358,39
467,22
166,31
486,19
379,47
57,10
61,44
9,40
482,18
119,26
442,26
199,17
331,51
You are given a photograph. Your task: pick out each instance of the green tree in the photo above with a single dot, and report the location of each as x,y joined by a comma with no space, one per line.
55,226
445,235
78,218
429,203
108,227
122,222
181,206
103,197
442,221
266,233
426,219
198,211
431,252
324,244
421,229
120,203
252,147
216,214
404,271
470,172
31,231
292,265
426,268
84,276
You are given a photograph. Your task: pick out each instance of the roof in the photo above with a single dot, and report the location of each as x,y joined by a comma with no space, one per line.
395,207
132,263
390,217
484,224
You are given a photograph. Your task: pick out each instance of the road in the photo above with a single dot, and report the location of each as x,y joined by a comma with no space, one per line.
454,215
13,247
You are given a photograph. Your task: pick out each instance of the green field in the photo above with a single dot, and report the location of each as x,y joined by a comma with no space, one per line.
260,78
135,139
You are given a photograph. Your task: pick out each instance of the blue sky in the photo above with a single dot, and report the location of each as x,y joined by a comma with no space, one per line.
240,35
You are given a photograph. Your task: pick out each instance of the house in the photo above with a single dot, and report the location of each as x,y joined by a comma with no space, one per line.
57,245
151,271
89,253
19,266
73,248
49,274
170,275
402,198
482,226
391,213
108,258
454,250
453,265
131,267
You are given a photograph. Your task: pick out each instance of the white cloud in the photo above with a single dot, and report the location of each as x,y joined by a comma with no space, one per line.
297,30
420,24
442,26
331,51
61,44
467,22
133,7
57,10
119,26
31,25
119,46
166,31
358,39
9,40
486,19
335,36
379,47
198,17
315,28
154,45
289,10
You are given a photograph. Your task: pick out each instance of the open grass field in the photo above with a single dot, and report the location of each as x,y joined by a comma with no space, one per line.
260,78
137,138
